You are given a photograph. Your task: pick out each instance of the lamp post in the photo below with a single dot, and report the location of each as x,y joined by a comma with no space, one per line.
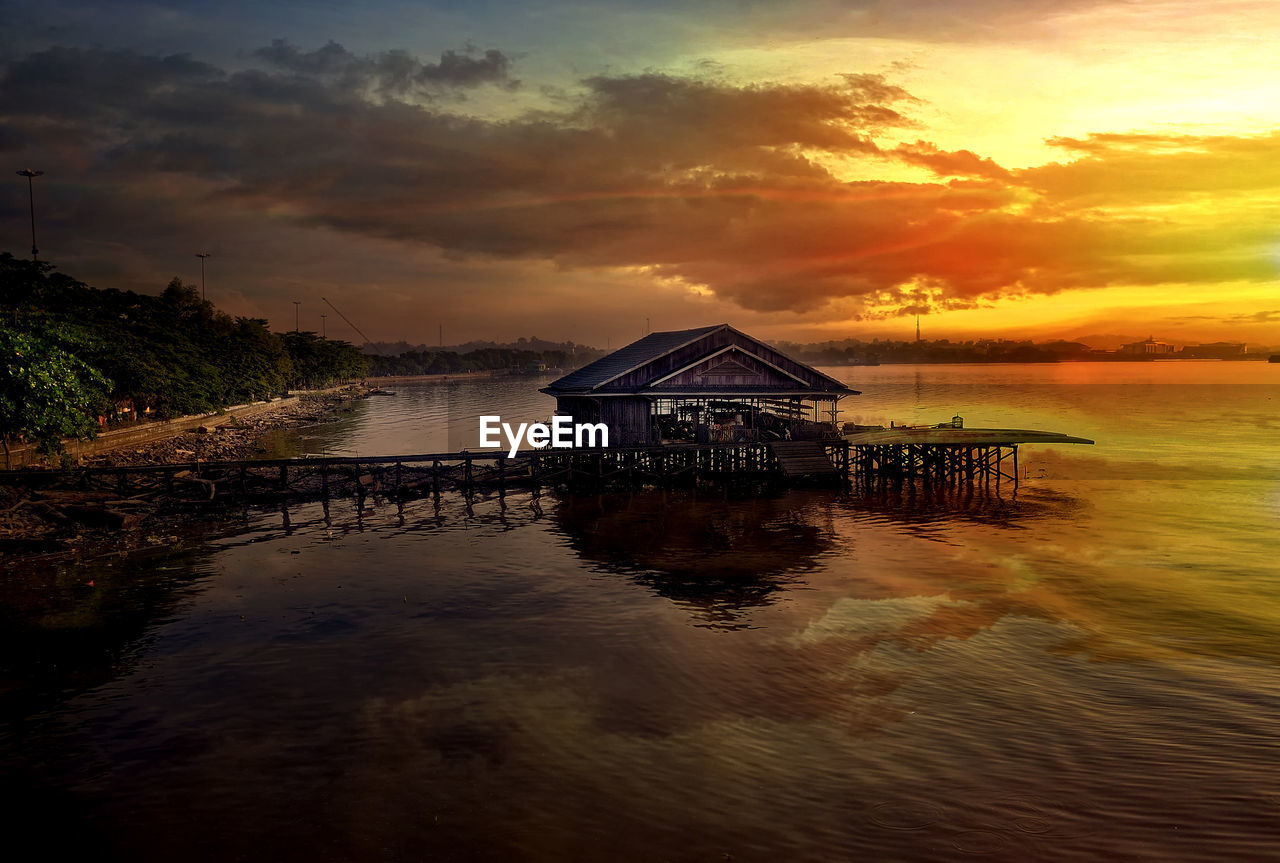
296,305
322,327
31,200
202,256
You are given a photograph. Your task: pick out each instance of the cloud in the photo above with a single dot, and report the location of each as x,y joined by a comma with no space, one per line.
729,187
392,72
1268,316
330,59
958,163
463,70
1133,169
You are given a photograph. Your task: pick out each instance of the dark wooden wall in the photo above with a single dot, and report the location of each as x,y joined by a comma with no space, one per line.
581,409
627,418
628,421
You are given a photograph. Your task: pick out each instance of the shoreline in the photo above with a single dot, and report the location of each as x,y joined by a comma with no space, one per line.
146,435
46,526
427,379
230,433
38,527
233,437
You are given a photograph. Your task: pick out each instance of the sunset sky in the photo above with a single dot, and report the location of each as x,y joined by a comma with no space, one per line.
806,171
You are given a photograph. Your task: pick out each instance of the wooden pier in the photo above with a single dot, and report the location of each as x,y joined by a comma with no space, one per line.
976,457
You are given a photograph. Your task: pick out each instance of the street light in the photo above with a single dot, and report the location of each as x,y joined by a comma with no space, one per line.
31,199
202,256
296,304
322,328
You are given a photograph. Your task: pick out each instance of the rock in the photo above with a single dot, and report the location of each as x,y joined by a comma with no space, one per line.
97,516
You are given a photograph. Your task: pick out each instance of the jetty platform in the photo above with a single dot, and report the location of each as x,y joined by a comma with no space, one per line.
934,436
943,454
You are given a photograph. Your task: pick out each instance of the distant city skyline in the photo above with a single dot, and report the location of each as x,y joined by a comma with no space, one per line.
807,170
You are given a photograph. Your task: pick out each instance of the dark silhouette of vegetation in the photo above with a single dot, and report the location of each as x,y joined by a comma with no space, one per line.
78,357
577,354
318,362
855,351
441,362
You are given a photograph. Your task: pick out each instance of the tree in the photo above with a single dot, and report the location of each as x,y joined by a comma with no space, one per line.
47,393
320,362
254,360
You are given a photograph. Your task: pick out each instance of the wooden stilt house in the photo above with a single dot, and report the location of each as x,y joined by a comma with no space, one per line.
706,385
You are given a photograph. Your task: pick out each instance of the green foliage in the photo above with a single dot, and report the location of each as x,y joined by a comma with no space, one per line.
47,392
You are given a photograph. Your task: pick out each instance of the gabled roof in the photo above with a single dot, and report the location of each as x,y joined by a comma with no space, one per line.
658,356
622,360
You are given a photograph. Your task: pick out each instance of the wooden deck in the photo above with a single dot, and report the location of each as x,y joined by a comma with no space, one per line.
957,437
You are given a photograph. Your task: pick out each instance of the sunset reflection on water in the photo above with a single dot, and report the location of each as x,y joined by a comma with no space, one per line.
1085,669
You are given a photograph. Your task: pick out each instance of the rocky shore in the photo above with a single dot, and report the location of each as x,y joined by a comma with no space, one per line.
48,525
238,439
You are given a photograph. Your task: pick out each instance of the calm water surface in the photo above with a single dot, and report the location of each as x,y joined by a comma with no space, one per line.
1086,671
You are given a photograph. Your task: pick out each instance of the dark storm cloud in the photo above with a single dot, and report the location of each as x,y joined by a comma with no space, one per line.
464,70
328,60
394,72
711,115
58,83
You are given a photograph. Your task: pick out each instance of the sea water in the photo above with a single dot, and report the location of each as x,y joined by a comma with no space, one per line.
1083,669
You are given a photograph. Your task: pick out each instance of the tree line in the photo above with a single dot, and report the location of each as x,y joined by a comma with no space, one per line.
442,362
76,355
937,351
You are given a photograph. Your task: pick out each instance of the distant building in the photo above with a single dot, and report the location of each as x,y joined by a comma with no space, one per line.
1214,351
1148,347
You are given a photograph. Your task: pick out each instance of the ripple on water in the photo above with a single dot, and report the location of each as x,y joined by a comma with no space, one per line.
905,816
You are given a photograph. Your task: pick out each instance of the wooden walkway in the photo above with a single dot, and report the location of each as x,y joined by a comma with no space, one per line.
956,458
412,475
